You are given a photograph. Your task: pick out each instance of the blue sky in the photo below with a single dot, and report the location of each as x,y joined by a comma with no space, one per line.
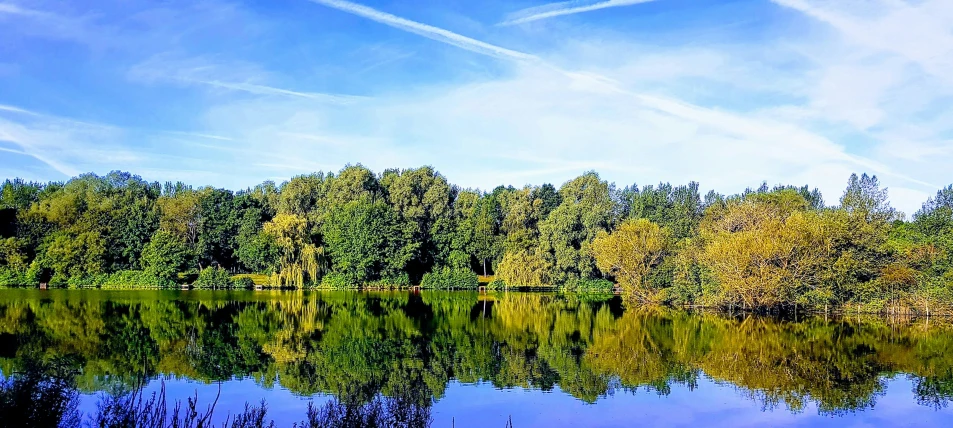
729,93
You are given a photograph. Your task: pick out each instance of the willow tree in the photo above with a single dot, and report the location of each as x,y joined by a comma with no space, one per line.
301,261
630,253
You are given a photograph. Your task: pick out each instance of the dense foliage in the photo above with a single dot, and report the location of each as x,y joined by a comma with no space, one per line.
775,248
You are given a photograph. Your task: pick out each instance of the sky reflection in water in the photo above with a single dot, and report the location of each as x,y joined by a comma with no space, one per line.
545,360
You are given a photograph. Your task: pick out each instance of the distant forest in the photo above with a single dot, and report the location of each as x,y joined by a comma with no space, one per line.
764,249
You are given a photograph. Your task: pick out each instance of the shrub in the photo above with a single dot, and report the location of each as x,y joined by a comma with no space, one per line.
85,281
14,278
496,284
448,279
336,281
589,286
125,279
213,277
242,282
396,281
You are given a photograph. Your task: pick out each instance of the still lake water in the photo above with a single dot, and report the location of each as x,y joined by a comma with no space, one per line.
541,359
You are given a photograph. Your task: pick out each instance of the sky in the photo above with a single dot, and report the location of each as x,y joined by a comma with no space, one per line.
729,93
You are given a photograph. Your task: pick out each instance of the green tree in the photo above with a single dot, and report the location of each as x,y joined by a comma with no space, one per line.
423,202
165,256
366,241
587,208
74,256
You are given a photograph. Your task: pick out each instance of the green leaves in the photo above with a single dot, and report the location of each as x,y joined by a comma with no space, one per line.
165,256
366,242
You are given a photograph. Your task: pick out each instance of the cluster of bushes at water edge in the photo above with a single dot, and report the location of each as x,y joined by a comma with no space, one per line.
766,248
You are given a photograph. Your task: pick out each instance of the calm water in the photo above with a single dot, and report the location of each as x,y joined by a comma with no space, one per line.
542,359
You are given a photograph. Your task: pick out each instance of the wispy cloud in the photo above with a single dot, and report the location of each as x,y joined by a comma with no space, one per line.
13,9
270,90
231,76
553,10
200,135
13,109
428,31
731,124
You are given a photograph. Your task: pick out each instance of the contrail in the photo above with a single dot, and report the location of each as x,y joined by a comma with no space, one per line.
269,90
564,8
428,31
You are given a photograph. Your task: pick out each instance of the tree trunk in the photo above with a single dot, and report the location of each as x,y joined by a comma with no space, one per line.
484,267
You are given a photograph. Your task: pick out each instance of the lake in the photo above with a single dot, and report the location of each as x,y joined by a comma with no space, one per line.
476,359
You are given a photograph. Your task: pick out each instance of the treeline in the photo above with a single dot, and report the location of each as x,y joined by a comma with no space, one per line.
767,248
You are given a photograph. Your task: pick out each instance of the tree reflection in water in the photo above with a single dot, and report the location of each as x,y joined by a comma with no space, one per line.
398,351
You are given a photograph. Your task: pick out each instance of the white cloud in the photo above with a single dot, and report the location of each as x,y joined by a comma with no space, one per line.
755,139
852,86
553,10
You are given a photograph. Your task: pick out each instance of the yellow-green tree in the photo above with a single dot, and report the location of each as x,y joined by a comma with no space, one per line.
524,268
764,251
301,261
629,254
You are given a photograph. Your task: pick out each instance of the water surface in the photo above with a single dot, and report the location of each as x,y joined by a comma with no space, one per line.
476,360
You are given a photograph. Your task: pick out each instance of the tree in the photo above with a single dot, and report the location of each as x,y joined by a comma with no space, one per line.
216,232
181,214
74,256
165,256
366,242
300,261
486,223
677,208
422,200
765,250
549,199
630,253
524,268
521,210
587,208
865,199
935,217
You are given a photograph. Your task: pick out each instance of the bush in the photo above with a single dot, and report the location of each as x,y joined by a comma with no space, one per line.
13,278
448,279
242,282
589,286
397,281
336,281
496,284
85,281
126,279
213,277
